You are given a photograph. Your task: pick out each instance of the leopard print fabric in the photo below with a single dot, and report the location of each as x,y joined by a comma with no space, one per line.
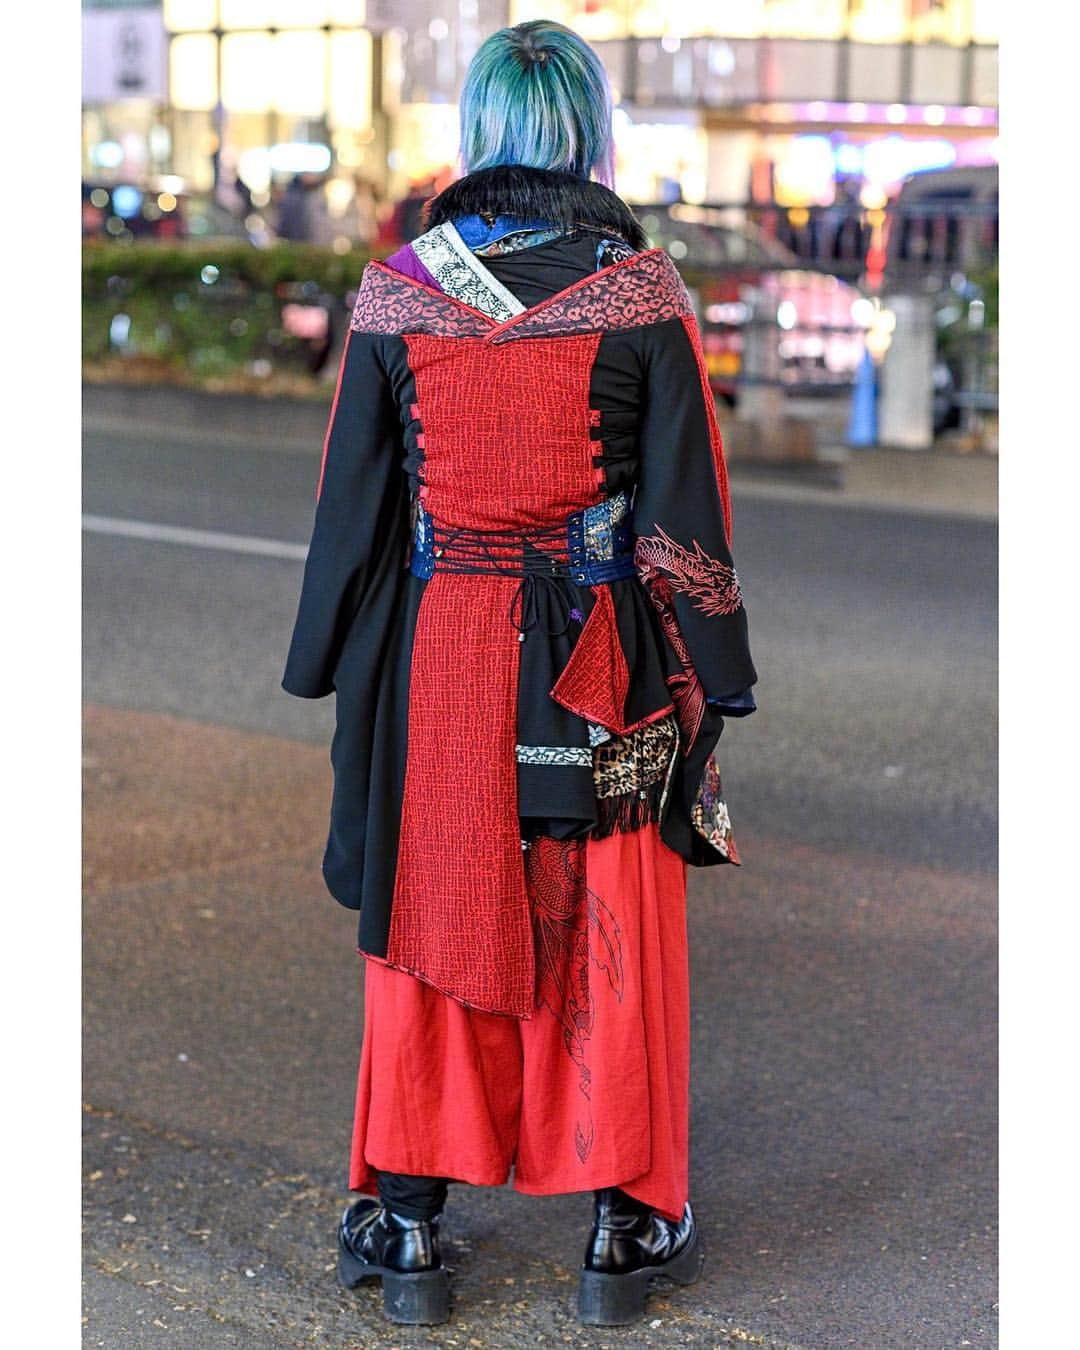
631,765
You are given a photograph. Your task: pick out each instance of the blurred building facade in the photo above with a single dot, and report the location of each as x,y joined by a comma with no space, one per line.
799,101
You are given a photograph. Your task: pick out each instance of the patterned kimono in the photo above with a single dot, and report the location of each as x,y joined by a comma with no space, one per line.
520,587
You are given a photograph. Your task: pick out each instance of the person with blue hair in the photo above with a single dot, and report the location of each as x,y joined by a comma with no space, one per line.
520,589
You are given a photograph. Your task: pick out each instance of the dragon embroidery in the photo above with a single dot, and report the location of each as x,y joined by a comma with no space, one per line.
573,930
665,567
711,585
687,691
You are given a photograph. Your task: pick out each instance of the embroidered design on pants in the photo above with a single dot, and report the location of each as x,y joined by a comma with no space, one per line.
574,931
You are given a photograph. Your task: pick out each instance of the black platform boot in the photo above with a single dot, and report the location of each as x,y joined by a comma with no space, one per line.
630,1246
373,1240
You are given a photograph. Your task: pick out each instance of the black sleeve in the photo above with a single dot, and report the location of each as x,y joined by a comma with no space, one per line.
361,517
682,515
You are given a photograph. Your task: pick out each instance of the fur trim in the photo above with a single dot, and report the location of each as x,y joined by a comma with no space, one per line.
630,811
516,190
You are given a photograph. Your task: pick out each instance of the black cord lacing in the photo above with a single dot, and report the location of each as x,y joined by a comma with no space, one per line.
539,557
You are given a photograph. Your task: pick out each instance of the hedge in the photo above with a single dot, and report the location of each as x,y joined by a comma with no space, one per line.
209,312
206,312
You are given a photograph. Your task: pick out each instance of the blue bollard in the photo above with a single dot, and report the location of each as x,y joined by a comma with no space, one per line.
863,423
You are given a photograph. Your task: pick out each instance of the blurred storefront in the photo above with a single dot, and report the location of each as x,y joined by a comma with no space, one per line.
804,102
790,100
124,90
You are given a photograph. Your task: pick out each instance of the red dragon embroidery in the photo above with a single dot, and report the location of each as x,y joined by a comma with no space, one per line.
711,585
666,567
573,929
687,691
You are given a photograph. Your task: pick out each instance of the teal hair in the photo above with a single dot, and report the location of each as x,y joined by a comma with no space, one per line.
537,95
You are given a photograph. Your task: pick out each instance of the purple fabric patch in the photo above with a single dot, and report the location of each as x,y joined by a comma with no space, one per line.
408,264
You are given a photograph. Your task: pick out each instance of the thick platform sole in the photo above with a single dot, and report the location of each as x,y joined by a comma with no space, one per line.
618,1300
417,1300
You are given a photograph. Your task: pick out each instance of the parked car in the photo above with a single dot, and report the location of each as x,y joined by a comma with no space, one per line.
742,277
942,221
943,243
155,210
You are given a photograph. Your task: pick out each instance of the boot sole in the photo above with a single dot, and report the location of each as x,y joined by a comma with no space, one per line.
420,1299
618,1300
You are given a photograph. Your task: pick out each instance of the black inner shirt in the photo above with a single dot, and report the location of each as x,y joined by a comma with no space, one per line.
541,271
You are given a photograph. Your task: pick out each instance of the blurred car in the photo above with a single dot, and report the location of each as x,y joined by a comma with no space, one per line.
743,277
942,222
942,242
159,209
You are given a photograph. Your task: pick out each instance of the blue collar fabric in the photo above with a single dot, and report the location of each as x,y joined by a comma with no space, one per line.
477,233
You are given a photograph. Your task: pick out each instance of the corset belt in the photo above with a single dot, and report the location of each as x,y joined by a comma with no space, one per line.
591,547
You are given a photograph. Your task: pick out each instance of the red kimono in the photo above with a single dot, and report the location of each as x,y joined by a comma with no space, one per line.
520,587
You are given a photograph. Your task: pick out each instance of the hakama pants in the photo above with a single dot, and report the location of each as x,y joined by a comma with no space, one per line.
592,1090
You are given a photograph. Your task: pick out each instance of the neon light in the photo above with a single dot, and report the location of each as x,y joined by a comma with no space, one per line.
299,157
892,158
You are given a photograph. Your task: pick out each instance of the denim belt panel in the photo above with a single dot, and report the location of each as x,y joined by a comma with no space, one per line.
592,547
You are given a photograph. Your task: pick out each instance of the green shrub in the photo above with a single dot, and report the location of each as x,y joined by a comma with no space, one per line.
149,314
204,311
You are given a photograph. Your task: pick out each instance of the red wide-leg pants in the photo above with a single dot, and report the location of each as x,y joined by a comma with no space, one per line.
593,1089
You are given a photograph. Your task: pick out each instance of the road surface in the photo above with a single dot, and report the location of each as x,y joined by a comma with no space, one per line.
844,979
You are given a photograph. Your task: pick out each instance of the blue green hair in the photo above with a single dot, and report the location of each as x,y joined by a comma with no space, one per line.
537,95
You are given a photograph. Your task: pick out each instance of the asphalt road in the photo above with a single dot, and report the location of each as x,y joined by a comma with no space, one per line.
844,980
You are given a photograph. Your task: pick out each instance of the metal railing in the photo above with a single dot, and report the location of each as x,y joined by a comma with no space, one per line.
785,295
901,240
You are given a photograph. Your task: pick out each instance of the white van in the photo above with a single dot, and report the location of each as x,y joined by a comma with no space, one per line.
943,221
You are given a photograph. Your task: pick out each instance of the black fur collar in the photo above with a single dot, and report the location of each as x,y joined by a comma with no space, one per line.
514,189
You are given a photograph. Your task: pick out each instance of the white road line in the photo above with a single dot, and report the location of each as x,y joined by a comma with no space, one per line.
178,435
178,534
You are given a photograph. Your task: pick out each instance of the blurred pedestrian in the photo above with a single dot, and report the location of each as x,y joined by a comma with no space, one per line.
294,210
848,230
365,209
324,227
409,210
527,713
231,193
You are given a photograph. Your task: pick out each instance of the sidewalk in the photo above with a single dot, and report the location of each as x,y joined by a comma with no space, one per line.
936,482
222,1000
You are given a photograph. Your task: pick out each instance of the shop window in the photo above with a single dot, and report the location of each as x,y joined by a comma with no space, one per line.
946,21
247,72
186,15
879,20
350,79
300,73
291,13
351,12
193,71
986,20
806,18
273,13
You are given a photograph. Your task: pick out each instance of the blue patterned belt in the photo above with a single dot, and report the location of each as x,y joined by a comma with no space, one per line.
592,547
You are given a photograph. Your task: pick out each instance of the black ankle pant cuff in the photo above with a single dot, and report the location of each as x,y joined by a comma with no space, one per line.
412,1197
